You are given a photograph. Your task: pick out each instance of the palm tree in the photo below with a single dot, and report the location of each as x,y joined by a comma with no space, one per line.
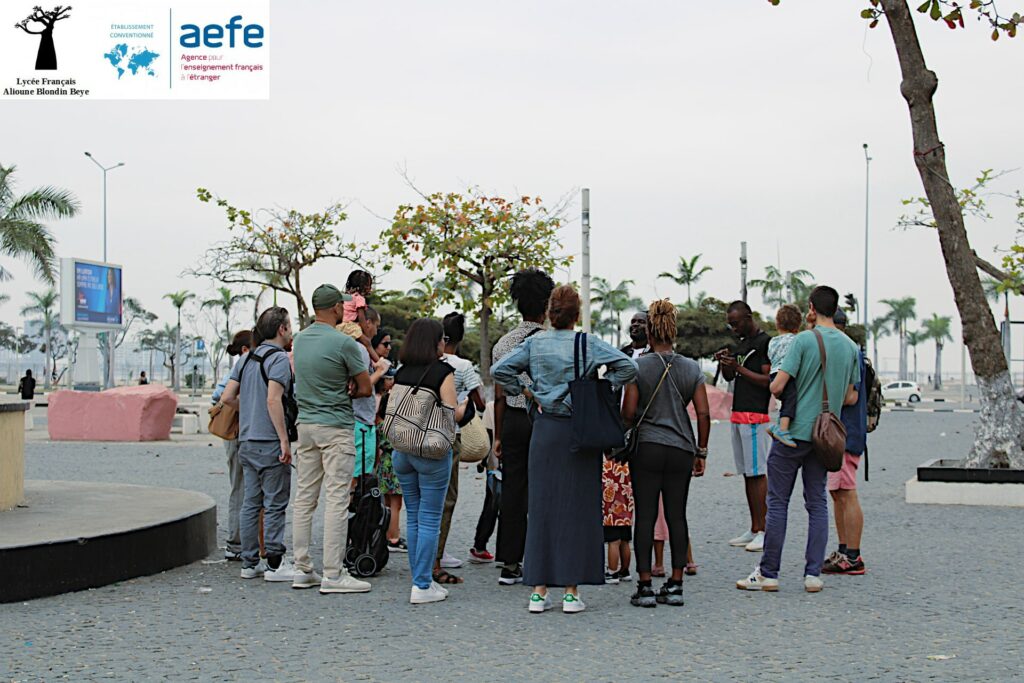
44,304
178,299
22,233
778,288
225,301
937,328
913,339
900,311
614,301
879,327
687,273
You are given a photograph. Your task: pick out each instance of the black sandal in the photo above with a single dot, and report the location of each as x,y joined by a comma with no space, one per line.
442,577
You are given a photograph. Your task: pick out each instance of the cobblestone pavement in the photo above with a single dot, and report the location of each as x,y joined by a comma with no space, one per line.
940,584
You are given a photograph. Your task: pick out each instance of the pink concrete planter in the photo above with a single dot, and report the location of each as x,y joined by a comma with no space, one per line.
142,413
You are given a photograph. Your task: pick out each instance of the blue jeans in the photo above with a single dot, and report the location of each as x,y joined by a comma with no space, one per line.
783,464
268,485
424,485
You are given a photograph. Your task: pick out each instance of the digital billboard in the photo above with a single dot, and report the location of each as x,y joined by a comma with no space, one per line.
91,293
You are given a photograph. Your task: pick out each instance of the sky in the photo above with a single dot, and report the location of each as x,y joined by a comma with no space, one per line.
695,125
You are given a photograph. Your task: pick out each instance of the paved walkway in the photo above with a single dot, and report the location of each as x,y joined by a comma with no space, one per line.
941,583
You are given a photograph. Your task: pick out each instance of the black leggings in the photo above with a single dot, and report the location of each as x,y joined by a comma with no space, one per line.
662,471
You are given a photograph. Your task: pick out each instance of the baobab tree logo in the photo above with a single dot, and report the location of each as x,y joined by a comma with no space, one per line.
46,58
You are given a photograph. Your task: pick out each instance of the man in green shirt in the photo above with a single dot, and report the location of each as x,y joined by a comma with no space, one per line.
329,373
803,366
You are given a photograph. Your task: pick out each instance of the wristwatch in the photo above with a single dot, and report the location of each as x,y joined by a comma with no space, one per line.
702,452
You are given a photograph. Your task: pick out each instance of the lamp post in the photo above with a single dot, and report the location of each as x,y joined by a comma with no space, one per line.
109,379
867,200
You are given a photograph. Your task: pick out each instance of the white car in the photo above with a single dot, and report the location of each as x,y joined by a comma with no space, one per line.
902,391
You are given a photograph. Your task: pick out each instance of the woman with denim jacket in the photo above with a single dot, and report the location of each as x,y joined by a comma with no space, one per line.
565,536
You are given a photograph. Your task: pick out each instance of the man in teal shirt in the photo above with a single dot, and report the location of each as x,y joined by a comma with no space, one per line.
803,366
329,373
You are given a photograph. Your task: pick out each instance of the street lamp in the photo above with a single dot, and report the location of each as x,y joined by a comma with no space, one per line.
104,169
867,198
109,379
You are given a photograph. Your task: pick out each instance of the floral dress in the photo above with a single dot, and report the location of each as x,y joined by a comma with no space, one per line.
387,480
618,494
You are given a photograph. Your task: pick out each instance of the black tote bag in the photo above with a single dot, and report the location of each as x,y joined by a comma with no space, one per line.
596,421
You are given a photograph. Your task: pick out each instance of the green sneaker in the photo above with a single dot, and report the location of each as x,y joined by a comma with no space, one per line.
572,604
540,603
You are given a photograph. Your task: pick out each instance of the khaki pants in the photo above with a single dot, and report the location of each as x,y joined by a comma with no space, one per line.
325,456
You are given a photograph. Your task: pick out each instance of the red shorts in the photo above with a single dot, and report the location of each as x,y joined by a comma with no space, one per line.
846,477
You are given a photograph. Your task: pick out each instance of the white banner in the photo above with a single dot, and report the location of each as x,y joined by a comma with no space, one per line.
141,50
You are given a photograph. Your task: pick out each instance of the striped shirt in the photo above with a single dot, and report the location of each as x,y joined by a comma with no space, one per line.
505,346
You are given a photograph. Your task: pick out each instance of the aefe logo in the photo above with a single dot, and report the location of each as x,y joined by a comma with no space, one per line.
212,35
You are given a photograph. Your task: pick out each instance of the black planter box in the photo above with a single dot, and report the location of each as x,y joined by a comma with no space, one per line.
953,471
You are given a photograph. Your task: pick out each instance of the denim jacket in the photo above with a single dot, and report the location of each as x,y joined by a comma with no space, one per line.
547,357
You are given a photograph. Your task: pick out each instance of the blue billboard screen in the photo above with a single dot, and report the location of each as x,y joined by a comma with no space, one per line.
97,294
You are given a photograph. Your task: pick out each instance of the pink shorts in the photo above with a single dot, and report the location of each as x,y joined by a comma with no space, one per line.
846,477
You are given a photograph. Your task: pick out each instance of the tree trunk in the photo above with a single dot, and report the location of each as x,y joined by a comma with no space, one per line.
175,381
1001,428
46,57
300,303
915,365
46,359
903,353
874,350
938,366
485,337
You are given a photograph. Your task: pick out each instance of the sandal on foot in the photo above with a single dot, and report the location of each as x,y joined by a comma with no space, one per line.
658,571
691,569
444,578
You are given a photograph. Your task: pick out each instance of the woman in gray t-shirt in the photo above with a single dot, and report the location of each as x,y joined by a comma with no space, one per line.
667,455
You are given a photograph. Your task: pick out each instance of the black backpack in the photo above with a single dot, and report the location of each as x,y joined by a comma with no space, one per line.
291,407
366,552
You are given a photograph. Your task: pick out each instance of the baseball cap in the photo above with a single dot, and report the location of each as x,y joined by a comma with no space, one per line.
326,296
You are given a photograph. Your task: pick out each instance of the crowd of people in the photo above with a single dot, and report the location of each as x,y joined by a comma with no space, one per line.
329,403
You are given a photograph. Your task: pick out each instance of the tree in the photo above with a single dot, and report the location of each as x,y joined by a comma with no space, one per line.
687,273
225,301
614,301
178,299
900,311
22,233
937,328
879,327
133,311
778,288
165,342
477,240
270,248
701,330
913,339
46,56
998,441
44,304
14,342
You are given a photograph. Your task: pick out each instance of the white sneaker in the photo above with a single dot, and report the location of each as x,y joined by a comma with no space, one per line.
255,572
344,583
743,540
813,584
757,544
438,587
572,604
420,596
757,582
308,579
284,573
540,604
450,562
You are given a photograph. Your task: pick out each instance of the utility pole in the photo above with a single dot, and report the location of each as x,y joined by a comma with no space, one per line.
867,204
743,271
585,260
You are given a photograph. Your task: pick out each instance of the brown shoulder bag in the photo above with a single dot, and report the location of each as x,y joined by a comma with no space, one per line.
828,435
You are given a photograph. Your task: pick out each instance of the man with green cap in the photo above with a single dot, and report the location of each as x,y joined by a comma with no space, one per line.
329,373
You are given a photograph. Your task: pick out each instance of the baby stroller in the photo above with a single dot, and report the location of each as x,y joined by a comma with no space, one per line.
367,553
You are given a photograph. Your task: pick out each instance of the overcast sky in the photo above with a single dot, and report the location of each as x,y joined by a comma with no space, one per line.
695,125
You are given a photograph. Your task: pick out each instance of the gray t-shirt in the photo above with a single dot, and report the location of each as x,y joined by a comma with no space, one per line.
365,409
667,422
253,418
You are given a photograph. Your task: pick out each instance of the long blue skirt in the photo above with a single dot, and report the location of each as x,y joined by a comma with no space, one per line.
564,535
